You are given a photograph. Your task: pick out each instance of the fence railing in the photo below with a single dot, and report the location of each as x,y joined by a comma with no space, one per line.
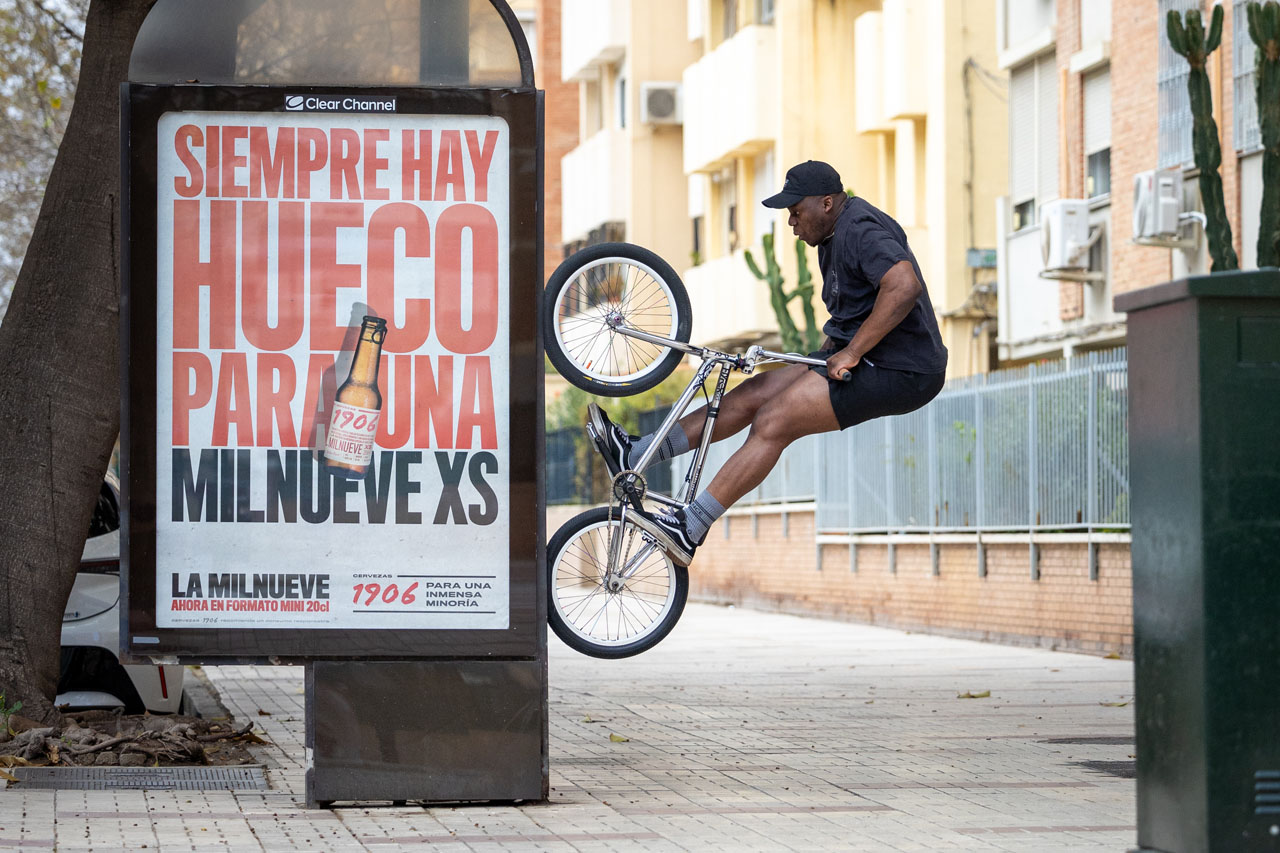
1044,447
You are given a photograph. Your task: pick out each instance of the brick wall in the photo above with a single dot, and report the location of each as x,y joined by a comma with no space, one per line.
768,563
561,119
1134,139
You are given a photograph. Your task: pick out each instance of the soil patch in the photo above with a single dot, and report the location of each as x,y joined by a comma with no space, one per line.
106,738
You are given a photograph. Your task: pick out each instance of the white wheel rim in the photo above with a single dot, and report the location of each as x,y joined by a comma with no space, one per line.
592,612
600,352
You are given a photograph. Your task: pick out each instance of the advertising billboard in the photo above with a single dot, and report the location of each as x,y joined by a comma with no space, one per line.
330,432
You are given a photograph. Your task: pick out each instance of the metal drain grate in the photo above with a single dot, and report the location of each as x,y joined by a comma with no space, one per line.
154,778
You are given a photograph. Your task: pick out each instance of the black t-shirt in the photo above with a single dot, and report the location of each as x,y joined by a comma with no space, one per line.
866,243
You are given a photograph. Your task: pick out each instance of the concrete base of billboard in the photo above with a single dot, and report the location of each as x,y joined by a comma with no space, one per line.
430,731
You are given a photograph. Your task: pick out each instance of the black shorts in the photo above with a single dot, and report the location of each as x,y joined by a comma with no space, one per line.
875,391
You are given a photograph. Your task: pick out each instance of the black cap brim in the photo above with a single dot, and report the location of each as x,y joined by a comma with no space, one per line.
782,200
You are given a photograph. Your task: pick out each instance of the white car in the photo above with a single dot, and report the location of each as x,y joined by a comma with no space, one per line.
91,675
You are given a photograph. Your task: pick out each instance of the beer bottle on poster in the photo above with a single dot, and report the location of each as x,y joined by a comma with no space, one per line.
348,444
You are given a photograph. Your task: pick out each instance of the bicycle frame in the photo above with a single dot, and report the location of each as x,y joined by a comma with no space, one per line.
711,361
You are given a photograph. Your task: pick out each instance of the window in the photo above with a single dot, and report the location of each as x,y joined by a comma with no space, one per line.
1097,133
1247,135
622,102
696,254
765,11
1175,104
730,18
725,194
1098,173
1025,20
592,108
1033,137
1024,214
1095,21
762,187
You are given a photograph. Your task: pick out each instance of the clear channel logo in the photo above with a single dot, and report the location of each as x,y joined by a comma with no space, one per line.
338,104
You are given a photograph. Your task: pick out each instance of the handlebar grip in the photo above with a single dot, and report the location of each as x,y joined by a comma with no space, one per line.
847,376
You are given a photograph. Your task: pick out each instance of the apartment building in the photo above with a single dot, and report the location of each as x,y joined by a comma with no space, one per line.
901,96
690,112
1103,139
623,180
560,110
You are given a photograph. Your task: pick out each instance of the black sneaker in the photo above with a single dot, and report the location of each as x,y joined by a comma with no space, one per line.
610,439
671,531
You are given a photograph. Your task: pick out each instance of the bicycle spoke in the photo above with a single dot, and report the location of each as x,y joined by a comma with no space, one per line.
586,604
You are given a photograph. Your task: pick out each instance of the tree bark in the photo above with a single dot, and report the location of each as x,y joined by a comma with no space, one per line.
59,389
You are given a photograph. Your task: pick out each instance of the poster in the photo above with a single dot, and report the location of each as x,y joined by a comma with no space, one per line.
283,500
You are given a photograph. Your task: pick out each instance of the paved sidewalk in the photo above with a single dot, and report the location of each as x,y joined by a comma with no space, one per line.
746,731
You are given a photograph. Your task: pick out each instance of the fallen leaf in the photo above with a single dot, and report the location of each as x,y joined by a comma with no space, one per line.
587,719
1113,704
1112,656
262,713
869,702
5,774
984,694
13,760
618,738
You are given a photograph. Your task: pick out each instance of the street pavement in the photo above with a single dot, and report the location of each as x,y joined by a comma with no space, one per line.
743,731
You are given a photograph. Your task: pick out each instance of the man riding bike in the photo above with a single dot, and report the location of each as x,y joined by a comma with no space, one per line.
882,330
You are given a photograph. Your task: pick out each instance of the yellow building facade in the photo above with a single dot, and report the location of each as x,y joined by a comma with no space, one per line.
896,94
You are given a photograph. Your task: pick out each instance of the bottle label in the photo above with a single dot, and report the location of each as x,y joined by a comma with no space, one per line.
351,433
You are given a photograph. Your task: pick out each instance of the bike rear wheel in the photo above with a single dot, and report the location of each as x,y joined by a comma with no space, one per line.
591,618
594,291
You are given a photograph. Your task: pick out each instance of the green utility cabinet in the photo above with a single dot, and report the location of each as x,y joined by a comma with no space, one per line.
1204,391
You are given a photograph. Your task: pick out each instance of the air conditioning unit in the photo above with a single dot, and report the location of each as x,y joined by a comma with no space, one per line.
1064,234
1157,205
660,103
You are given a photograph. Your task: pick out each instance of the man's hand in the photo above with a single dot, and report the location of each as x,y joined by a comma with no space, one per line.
841,362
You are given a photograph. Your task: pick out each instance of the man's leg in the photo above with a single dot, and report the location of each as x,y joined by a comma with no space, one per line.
737,409
802,408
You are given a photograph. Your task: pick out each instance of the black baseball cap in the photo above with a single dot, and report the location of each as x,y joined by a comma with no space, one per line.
812,177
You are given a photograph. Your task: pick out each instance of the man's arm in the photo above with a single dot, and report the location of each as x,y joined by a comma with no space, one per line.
899,289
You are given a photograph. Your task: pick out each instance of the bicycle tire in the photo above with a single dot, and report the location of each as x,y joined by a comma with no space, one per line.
623,280
592,620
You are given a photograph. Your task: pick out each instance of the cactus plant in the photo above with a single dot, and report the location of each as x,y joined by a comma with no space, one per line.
804,292
1264,29
771,275
1191,41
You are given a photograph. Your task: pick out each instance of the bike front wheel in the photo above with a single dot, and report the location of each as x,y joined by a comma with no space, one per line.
611,623
597,290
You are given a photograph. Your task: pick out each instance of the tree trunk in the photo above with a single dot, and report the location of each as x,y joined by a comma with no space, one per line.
59,391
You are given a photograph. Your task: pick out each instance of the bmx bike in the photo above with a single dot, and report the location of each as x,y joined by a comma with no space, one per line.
616,321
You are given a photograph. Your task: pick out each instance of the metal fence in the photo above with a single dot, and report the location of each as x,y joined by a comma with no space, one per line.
1044,447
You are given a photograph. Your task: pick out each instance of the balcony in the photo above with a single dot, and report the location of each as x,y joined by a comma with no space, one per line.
729,303
868,55
906,91
592,33
593,184
731,100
